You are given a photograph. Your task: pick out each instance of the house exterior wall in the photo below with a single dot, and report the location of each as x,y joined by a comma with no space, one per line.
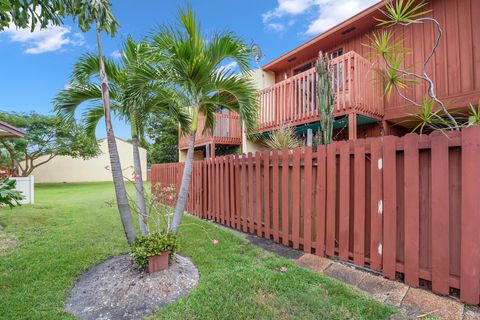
455,67
262,79
68,169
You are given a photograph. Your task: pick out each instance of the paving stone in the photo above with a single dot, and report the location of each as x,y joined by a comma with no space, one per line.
386,291
313,262
345,274
471,313
421,302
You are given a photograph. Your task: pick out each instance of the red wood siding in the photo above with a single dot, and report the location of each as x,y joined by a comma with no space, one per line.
455,67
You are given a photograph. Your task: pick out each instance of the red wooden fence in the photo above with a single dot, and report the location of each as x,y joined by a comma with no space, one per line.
408,207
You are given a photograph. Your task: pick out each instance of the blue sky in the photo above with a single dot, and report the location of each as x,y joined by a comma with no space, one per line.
35,66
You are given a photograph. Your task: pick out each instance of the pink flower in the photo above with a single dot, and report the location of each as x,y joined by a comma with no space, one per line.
283,269
215,241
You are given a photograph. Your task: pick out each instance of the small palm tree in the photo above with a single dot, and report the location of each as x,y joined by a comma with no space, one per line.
190,68
98,12
85,87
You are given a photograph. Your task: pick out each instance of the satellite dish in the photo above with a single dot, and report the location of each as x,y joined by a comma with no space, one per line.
257,52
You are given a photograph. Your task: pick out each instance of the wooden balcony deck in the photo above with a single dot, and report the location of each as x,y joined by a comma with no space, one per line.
294,100
227,131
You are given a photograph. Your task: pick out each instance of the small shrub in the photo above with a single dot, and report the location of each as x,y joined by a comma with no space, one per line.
8,195
152,245
283,138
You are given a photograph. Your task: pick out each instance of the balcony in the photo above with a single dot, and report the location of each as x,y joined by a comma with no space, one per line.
294,100
227,131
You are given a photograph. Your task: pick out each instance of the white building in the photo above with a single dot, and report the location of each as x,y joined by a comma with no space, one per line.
68,169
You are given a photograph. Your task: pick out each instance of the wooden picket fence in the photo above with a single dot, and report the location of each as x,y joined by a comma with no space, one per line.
408,207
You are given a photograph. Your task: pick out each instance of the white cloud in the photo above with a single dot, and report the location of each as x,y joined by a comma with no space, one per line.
321,14
231,66
116,54
275,26
52,38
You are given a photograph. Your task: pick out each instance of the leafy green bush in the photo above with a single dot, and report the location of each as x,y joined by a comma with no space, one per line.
151,245
8,195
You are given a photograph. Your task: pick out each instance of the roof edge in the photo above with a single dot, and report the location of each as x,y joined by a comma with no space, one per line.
358,17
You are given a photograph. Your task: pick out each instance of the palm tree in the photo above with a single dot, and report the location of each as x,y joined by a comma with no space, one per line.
191,68
134,111
98,12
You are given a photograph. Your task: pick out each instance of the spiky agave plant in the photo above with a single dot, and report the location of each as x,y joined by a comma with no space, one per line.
326,98
283,138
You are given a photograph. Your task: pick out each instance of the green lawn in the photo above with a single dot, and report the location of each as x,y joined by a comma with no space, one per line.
74,226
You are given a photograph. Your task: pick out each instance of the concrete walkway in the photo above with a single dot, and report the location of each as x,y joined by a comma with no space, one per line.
413,303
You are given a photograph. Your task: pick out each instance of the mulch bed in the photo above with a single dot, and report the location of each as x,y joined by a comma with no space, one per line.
116,289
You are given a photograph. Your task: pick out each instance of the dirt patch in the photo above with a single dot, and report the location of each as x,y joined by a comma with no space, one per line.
115,289
7,242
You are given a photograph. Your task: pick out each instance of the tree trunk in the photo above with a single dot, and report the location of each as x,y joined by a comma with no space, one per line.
183,194
120,191
137,167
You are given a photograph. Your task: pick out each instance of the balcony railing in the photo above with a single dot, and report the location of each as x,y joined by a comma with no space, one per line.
227,130
294,100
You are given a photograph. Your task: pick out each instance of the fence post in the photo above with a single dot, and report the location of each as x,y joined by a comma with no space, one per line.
470,216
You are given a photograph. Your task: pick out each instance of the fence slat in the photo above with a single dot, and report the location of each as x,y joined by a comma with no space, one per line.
440,214
266,188
237,193
320,201
359,204
231,160
285,197
470,236
251,188
331,201
375,204
221,193
275,196
295,185
390,207
307,201
412,209
244,214
258,191
344,207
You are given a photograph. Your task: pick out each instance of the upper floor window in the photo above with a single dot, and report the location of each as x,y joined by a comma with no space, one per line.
303,68
336,53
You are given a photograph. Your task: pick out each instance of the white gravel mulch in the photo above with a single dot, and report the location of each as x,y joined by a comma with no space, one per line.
116,289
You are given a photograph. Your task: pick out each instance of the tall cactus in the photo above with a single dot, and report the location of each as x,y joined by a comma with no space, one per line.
326,98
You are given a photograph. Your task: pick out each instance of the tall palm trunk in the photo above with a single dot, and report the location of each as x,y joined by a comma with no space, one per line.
137,167
120,191
185,185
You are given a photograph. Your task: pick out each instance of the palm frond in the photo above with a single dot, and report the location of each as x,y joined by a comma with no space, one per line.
67,100
88,66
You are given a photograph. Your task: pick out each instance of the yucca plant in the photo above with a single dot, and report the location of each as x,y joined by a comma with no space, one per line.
474,115
283,138
429,117
396,77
